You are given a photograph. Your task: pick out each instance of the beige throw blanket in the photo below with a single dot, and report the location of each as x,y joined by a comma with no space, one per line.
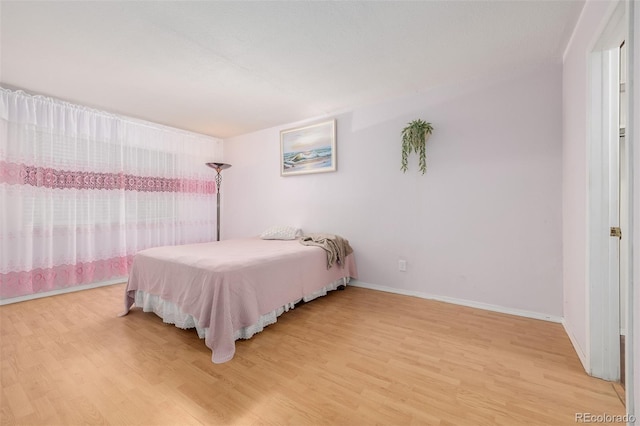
337,248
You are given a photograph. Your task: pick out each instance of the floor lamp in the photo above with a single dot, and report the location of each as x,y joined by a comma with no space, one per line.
218,167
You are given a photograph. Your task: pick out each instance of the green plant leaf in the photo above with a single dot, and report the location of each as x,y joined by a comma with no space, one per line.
414,139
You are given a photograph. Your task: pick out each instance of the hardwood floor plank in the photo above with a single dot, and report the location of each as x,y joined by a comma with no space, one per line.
353,357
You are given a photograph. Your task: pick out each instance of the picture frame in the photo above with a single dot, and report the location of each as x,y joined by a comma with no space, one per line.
308,149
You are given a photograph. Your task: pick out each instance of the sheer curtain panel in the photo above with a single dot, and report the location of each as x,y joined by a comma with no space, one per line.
82,191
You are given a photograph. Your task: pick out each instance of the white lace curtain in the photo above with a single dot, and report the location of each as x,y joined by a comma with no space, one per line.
82,191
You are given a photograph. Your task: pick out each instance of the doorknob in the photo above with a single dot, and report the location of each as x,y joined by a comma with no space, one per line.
615,231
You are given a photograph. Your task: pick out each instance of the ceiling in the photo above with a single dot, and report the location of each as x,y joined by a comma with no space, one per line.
229,68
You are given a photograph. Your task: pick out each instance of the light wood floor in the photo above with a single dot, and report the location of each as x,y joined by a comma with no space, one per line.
354,357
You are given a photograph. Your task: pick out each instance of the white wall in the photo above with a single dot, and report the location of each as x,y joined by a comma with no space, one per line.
483,224
575,174
635,116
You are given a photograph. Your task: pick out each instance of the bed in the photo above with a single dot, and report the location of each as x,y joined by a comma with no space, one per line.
231,289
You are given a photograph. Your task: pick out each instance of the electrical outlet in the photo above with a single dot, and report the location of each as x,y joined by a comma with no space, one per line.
402,265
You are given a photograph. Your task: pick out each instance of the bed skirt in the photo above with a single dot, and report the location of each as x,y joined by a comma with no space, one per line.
172,314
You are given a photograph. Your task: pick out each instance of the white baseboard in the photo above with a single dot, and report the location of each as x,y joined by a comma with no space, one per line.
61,291
576,346
463,302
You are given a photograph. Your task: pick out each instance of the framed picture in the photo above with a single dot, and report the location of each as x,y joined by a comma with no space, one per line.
308,149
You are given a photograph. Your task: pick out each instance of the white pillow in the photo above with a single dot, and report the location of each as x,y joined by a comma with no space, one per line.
281,232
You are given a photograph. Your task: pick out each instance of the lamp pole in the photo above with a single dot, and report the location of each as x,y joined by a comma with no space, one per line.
218,167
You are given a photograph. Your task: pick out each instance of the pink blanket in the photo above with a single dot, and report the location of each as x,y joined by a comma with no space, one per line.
230,284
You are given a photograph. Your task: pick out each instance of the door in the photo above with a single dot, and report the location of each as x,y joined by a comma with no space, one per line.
623,209
603,215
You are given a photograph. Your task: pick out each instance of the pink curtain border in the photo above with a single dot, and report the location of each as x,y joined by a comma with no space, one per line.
15,284
21,174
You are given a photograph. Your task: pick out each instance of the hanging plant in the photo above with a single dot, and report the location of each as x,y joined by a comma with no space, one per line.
414,138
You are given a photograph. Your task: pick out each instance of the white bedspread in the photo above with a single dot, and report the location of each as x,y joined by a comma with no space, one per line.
230,287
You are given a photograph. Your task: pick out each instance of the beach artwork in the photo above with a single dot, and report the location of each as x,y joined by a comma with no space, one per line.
309,149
